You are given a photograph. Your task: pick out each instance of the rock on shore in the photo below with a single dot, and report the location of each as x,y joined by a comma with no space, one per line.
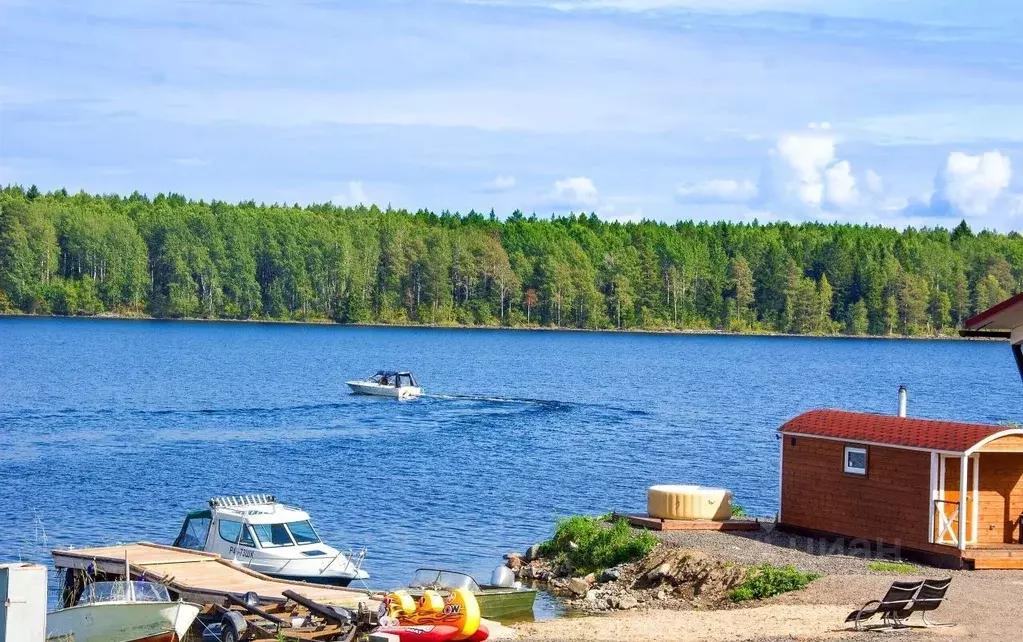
674,578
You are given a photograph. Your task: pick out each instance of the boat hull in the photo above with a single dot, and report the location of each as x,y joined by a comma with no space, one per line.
317,579
122,622
317,570
375,389
506,604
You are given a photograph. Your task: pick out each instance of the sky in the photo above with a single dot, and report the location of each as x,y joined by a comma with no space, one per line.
894,112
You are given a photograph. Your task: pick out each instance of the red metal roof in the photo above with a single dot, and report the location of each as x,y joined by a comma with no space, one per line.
1005,316
890,430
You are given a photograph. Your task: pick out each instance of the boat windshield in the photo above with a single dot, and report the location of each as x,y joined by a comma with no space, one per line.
303,532
436,579
272,535
99,592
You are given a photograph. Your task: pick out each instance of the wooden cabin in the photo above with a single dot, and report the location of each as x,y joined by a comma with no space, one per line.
945,493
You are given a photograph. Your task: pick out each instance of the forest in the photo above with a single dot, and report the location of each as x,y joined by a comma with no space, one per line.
171,257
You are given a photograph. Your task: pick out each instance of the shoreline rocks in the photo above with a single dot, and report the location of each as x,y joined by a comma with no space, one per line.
667,578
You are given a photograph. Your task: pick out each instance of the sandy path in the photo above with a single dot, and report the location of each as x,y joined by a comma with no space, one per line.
733,625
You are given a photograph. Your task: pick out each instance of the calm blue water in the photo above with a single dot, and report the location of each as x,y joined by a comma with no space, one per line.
112,430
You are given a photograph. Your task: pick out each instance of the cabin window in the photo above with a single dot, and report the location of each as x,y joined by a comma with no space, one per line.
246,539
855,460
193,532
303,533
271,535
229,531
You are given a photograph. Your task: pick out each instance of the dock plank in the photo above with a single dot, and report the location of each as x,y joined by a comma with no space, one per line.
199,575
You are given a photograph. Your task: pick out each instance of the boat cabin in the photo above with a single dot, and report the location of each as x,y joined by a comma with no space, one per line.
267,536
393,378
254,521
947,493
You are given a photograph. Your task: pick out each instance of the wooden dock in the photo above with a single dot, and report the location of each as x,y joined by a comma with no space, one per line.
657,524
202,577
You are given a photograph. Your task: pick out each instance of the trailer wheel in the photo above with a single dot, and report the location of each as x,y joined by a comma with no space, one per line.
232,627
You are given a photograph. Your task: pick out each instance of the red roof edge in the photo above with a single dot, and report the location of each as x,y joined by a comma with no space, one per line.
976,322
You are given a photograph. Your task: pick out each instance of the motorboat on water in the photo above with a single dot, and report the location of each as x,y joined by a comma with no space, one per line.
119,611
388,383
264,535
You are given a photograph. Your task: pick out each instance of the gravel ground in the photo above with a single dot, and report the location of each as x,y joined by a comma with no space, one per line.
985,605
749,548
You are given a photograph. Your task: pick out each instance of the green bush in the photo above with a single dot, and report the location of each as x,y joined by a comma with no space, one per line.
738,511
766,581
589,546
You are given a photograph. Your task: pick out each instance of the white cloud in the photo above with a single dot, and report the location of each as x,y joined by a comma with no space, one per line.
716,191
501,183
355,194
840,186
971,185
573,192
804,173
874,182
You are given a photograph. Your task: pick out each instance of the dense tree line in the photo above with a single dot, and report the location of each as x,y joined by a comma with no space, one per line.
172,257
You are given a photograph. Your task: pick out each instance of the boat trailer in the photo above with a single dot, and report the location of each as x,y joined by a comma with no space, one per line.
245,618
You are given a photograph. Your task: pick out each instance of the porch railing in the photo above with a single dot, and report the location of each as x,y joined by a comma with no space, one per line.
946,519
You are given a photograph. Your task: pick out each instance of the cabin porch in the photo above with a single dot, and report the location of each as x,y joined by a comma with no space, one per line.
994,556
977,503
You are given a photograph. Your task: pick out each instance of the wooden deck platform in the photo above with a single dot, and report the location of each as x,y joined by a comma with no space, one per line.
202,577
657,524
994,556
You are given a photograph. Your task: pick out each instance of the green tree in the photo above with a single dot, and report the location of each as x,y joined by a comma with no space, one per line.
741,279
858,322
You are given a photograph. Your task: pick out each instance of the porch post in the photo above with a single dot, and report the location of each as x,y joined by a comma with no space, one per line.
934,497
963,466
975,516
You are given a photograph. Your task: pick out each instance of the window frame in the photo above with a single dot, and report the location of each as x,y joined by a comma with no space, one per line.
220,531
308,523
271,544
852,470
245,538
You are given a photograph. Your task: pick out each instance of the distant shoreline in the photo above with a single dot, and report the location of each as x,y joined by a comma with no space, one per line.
430,326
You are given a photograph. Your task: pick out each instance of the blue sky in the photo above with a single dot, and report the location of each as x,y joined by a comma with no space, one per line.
895,112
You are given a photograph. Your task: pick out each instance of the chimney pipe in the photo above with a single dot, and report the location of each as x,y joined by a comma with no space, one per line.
902,401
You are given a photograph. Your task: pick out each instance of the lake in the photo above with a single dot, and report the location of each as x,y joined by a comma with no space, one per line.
111,430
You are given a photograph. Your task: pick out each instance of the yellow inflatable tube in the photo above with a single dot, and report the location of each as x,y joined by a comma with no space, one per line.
458,609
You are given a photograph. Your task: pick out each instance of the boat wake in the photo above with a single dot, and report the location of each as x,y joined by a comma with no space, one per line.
489,399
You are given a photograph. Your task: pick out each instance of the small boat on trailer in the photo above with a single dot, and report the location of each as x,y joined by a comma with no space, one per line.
117,611
264,535
497,600
388,383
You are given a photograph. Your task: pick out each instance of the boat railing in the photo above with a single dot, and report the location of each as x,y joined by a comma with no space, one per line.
231,501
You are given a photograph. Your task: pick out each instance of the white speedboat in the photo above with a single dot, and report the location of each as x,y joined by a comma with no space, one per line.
123,611
399,385
260,533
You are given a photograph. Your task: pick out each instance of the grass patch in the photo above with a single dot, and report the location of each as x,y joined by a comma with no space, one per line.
892,567
766,581
589,546
738,511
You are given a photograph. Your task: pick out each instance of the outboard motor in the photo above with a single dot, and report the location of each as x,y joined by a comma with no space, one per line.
502,577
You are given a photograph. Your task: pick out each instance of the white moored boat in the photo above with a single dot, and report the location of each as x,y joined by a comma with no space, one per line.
122,611
260,533
385,383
